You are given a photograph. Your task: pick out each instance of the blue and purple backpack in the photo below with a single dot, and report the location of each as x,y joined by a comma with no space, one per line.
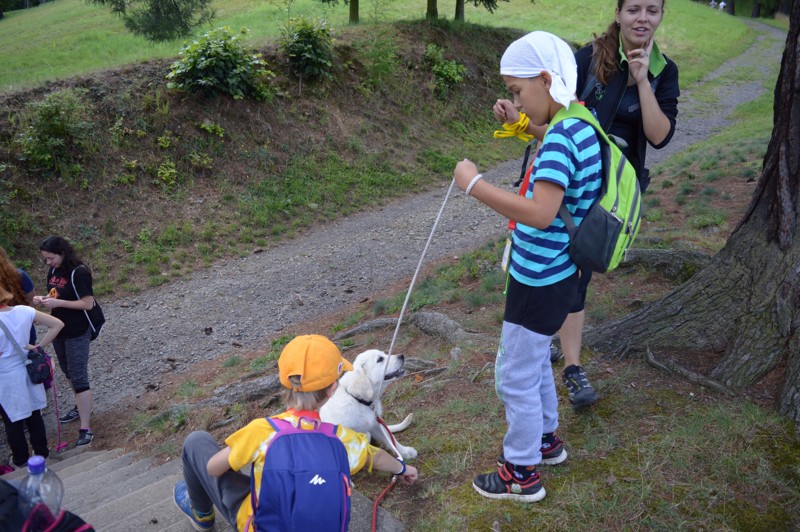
305,483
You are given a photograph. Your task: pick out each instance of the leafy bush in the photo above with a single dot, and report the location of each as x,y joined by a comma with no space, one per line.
167,175
380,59
309,46
448,73
56,130
219,63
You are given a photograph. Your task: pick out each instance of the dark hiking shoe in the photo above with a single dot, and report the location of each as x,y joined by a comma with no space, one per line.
503,485
581,393
70,416
555,354
552,453
85,437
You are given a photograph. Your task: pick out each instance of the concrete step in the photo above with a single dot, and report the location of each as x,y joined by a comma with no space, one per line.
115,513
124,480
161,513
117,491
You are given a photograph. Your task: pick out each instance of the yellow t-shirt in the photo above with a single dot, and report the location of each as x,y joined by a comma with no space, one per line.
249,445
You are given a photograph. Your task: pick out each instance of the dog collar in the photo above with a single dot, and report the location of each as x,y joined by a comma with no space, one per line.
360,400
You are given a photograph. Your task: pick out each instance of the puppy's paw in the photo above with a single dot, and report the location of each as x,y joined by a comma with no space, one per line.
408,453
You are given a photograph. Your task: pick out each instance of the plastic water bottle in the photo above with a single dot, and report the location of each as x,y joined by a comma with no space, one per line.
40,494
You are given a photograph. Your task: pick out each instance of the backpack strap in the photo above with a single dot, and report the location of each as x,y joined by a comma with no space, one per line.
78,298
580,112
591,81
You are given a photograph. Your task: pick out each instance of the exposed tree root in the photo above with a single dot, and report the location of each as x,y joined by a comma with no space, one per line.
679,265
687,374
372,325
432,323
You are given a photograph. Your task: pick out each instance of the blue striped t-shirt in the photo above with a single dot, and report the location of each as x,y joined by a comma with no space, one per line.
570,157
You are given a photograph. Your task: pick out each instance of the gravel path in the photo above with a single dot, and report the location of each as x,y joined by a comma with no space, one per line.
235,305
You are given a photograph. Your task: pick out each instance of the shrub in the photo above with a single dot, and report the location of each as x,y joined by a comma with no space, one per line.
56,130
309,48
167,174
448,73
219,63
380,58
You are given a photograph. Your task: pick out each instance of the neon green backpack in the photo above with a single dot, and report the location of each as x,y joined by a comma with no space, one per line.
607,231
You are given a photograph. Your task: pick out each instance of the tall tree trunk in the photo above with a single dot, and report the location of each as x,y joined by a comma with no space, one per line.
353,11
459,11
730,7
756,12
745,305
432,12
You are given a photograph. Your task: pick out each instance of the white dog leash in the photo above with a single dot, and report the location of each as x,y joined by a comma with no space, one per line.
414,280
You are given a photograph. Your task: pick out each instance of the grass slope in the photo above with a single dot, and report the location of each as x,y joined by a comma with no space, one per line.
80,38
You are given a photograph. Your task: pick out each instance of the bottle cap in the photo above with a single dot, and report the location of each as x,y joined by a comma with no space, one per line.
36,465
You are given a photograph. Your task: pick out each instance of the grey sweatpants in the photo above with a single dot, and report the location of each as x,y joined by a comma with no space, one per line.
524,382
226,492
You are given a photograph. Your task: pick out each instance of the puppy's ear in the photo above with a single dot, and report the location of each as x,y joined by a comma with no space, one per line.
359,385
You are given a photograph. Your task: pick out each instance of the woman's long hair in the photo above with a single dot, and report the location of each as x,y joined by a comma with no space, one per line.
10,281
59,246
605,49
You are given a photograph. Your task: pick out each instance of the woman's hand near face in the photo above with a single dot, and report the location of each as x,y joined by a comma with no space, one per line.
639,60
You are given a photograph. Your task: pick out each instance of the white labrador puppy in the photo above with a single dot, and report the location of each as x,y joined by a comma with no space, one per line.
356,404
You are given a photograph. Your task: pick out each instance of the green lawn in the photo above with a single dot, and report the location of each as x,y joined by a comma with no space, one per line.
69,37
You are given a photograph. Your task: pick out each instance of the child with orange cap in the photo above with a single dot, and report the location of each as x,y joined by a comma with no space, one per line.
310,367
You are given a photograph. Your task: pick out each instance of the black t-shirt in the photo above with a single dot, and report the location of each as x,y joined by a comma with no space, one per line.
75,321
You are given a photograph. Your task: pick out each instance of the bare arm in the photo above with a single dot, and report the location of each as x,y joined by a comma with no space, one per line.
383,461
537,212
218,464
84,303
656,124
53,324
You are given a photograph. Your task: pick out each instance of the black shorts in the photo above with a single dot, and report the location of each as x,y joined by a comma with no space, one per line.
583,287
541,309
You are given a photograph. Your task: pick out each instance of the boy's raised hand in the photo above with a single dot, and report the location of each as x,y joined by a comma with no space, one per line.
505,112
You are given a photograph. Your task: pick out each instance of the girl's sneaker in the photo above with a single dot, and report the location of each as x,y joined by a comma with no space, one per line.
504,484
85,437
70,416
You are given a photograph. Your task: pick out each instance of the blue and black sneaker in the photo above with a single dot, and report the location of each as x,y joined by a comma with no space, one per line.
199,520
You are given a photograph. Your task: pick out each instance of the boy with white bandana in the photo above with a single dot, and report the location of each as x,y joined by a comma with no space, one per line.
540,72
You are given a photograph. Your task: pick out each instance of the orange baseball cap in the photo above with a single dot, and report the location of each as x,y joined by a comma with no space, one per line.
317,361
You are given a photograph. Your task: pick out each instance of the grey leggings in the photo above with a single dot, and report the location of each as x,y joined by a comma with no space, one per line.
226,492
73,359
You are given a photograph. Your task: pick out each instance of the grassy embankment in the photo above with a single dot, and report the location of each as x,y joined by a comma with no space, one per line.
210,196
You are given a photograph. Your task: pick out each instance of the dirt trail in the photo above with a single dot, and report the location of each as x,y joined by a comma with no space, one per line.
235,305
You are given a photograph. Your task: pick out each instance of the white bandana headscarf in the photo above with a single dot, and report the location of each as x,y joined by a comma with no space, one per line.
537,51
